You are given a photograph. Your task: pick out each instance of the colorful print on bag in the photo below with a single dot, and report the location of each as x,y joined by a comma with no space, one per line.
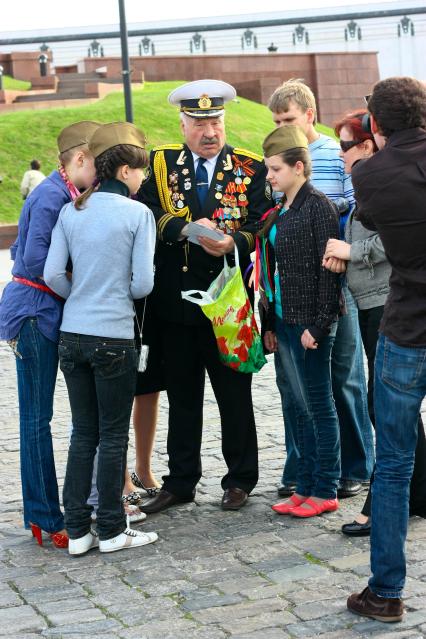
228,307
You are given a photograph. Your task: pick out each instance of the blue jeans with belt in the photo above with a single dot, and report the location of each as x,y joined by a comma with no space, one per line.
100,374
36,367
308,373
399,388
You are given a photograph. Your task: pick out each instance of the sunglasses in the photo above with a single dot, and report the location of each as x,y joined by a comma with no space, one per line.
346,145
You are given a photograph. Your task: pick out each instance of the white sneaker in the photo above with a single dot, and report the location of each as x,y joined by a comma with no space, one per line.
127,539
133,515
83,544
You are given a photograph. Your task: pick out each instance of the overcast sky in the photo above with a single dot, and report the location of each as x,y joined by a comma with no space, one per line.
44,14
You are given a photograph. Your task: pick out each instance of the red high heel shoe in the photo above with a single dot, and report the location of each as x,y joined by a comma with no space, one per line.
59,540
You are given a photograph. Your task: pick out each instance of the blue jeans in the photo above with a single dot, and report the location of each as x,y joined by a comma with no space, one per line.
308,374
100,374
36,367
399,388
350,396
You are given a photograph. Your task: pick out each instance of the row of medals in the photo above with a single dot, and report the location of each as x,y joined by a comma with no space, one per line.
234,200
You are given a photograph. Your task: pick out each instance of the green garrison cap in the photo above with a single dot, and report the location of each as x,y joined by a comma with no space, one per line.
285,137
76,134
113,134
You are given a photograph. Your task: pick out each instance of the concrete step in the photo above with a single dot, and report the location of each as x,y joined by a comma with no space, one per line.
45,97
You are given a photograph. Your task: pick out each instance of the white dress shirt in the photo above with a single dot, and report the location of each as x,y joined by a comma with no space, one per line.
210,164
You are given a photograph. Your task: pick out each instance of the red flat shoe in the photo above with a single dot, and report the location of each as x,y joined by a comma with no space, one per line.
59,540
327,506
285,508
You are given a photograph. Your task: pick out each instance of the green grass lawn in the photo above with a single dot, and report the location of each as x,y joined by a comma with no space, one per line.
15,85
28,135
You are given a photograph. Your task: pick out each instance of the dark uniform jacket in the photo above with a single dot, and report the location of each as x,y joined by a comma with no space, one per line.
390,190
236,200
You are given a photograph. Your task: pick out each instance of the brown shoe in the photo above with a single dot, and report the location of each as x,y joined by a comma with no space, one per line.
161,501
234,499
367,604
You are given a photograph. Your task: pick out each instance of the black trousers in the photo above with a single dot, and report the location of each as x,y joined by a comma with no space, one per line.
188,352
100,374
369,322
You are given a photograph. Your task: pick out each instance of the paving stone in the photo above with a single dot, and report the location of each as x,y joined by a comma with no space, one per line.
69,616
323,626
239,611
258,622
264,633
351,561
20,619
77,629
237,585
8,597
297,573
199,602
153,609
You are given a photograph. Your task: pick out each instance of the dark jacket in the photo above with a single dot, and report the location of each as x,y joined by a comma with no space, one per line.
309,292
182,265
390,189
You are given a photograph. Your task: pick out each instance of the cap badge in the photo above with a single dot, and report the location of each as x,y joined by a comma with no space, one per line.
204,102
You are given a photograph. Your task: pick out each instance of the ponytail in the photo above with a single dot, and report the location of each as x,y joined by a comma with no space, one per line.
80,201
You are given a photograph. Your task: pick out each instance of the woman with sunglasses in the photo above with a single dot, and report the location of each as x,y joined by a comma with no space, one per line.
367,272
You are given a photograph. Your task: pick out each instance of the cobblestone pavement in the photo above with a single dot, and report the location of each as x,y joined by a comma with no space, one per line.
212,574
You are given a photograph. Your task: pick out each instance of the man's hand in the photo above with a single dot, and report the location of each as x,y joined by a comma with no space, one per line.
307,340
337,248
270,341
334,265
217,248
206,222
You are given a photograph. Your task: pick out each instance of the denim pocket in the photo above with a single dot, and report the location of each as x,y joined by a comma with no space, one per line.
112,361
66,360
402,366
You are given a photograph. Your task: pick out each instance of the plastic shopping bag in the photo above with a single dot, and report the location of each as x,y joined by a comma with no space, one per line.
228,307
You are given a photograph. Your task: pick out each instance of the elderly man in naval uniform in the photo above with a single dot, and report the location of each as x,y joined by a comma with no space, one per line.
206,181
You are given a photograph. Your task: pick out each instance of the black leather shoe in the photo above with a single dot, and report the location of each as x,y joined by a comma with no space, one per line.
367,604
348,488
161,501
357,530
286,490
234,499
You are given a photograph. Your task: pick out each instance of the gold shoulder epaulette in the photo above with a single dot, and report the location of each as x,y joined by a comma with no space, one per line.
168,147
249,154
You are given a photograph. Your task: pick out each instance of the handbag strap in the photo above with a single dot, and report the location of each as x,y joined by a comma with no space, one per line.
204,298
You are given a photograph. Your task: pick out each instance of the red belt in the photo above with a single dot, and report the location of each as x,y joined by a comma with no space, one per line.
41,287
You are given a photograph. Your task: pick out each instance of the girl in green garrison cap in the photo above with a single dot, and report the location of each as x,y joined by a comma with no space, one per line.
110,240
302,300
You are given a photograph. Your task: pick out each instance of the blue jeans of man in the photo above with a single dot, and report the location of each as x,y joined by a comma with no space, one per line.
36,366
308,372
100,374
350,396
399,388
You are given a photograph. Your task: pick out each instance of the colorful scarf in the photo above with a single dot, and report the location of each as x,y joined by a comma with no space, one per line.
73,190
264,279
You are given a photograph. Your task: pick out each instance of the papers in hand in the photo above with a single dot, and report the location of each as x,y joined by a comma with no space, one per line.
193,231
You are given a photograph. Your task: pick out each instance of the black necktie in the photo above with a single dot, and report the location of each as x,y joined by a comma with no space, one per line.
202,181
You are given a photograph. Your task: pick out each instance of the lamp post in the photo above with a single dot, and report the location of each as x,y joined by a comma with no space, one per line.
1,77
125,63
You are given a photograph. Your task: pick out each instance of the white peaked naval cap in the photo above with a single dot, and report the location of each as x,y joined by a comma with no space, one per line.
203,98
